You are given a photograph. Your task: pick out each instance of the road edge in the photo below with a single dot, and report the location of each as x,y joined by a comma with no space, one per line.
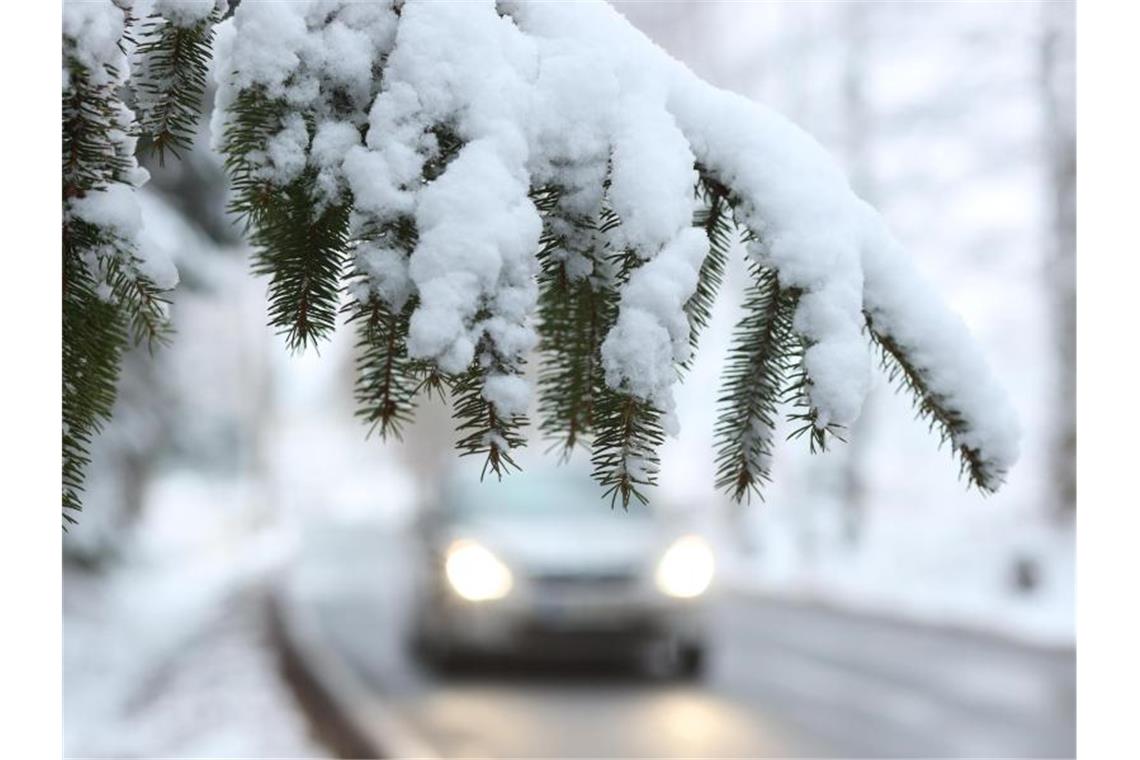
994,634
346,715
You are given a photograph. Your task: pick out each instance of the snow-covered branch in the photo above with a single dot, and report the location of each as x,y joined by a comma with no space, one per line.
486,178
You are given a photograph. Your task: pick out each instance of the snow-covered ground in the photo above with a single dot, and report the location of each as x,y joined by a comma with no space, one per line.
954,573
166,650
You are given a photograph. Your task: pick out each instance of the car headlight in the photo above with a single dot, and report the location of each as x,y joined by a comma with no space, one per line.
475,573
686,568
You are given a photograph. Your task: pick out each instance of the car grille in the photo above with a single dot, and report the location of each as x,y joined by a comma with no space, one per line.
611,580
613,631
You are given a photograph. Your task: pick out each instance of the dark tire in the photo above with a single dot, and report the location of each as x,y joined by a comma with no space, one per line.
690,662
432,655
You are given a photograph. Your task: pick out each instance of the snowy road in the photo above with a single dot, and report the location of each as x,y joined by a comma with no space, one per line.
784,680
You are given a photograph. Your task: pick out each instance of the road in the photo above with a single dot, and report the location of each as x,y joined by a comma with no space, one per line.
785,680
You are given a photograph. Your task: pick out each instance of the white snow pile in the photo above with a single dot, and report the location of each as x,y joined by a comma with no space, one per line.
167,649
182,12
572,95
92,35
953,568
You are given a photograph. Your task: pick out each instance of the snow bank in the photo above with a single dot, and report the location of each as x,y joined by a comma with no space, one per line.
166,652
940,568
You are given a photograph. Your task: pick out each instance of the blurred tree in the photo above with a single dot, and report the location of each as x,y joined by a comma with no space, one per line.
1057,89
122,460
855,27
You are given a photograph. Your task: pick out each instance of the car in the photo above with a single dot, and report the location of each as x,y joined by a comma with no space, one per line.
540,563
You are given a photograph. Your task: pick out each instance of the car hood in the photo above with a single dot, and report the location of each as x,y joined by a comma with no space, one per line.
549,544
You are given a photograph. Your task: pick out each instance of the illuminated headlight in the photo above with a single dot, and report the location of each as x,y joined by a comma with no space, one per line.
475,573
686,568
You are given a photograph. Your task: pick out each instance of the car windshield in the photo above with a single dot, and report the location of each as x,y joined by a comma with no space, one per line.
537,494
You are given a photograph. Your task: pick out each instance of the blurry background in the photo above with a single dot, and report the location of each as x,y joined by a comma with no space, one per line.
874,605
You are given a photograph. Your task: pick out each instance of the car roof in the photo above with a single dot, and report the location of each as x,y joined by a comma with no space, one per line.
463,487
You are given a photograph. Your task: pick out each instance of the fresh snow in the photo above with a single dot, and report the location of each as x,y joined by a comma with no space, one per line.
93,32
652,330
185,12
114,208
167,650
553,94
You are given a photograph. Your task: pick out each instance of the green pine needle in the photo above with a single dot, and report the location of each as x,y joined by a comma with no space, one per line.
484,431
574,313
302,249
758,367
301,244
716,219
929,406
387,380
108,302
804,414
173,66
625,453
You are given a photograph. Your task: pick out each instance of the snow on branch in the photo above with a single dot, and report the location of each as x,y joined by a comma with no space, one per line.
113,288
510,175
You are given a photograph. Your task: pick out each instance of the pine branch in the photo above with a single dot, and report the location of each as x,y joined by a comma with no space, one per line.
933,408
107,301
574,309
252,120
484,430
571,378
144,304
628,429
797,389
91,158
717,221
301,248
798,394
300,243
171,80
387,380
94,337
579,283
758,366
625,446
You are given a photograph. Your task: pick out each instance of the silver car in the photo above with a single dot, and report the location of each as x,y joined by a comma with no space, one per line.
539,564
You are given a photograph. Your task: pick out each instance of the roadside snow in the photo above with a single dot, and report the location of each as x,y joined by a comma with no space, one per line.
166,651
958,571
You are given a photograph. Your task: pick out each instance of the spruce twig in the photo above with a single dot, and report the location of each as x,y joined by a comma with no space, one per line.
628,431
574,309
940,416
485,431
107,301
173,64
758,367
716,219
